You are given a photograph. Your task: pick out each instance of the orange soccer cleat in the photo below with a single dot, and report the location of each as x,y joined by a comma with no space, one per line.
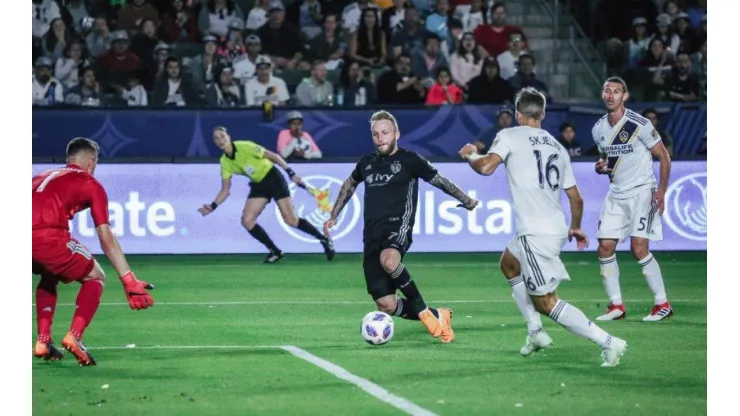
48,351
433,325
445,317
74,345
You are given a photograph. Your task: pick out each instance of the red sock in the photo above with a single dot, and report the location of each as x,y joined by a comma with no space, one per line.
87,303
46,303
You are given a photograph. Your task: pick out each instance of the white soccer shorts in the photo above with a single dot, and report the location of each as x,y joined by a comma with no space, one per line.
637,216
539,258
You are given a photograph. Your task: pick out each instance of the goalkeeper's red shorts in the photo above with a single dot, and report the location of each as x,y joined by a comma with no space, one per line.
56,252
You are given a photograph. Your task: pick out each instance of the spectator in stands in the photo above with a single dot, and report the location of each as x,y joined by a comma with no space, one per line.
307,15
281,40
46,89
56,39
699,67
44,12
494,37
73,12
203,67
74,58
144,42
411,36
424,63
489,87
437,21
356,86
158,66
400,86
216,15
657,57
466,63
525,77
265,86
134,94
294,143
568,139
175,88
666,33
638,43
133,12
393,17
652,115
232,46
507,61
671,8
455,32
224,92
353,12
87,93
680,85
328,46
444,91
99,39
367,44
115,63
475,16
179,23
504,120
244,68
687,34
314,90
258,15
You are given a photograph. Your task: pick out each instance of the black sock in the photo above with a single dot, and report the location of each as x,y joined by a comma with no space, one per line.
309,229
402,281
260,235
405,310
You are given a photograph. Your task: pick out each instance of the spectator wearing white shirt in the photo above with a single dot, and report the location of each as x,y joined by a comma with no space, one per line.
265,86
245,69
474,16
43,12
294,143
135,94
47,90
258,15
352,12
507,61
67,65
216,15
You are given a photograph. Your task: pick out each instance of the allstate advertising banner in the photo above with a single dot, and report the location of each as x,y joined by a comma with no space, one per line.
153,210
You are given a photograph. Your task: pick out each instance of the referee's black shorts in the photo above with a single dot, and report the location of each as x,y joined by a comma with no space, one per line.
272,186
376,239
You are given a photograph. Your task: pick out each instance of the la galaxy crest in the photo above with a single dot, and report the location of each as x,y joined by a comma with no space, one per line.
624,136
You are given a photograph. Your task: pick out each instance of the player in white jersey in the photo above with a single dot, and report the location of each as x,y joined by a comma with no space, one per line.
627,143
538,169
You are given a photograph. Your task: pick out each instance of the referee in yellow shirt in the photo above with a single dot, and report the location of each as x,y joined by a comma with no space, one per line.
266,182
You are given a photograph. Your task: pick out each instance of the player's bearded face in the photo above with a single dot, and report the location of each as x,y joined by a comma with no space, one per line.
385,137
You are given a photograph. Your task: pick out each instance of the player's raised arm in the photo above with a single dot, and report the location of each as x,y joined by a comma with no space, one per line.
486,165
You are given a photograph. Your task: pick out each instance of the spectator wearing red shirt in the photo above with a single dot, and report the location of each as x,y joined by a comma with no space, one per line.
494,37
444,91
116,63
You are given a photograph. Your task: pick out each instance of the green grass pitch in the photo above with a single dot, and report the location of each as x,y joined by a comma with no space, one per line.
317,306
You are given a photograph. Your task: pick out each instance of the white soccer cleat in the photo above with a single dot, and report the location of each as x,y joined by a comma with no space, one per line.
535,343
659,312
613,313
614,352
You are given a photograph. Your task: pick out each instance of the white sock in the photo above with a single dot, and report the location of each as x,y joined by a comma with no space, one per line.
524,303
651,271
610,277
576,322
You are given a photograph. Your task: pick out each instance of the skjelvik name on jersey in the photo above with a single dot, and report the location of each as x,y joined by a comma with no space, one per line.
131,218
543,140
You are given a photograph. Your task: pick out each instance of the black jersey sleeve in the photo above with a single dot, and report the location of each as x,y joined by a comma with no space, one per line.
421,167
357,172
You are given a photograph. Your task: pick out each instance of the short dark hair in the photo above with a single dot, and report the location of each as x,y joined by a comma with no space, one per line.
617,80
647,111
530,103
566,125
81,144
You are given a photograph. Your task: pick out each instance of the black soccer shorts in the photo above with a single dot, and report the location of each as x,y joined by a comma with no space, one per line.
272,186
377,239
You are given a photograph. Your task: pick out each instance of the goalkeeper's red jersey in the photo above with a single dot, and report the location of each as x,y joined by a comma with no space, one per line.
59,194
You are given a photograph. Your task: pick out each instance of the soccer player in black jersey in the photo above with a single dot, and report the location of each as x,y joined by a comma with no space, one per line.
391,175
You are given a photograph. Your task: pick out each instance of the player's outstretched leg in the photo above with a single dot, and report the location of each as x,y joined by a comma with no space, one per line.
437,321
252,209
651,271
572,319
537,338
610,277
46,304
88,300
286,211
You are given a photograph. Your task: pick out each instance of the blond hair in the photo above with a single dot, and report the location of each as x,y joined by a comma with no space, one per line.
383,115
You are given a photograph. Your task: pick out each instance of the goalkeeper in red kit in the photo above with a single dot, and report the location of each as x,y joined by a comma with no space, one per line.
59,194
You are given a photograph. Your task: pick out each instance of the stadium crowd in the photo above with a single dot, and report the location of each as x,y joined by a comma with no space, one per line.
233,53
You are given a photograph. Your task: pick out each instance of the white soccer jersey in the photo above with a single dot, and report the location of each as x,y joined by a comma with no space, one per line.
538,169
627,146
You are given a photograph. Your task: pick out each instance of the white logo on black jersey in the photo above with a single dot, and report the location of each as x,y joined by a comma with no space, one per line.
396,167
369,167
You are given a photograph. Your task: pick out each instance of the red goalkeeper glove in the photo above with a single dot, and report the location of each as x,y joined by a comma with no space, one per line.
138,297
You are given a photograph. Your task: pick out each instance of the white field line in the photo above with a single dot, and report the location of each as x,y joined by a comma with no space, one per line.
448,265
189,347
356,302
368,386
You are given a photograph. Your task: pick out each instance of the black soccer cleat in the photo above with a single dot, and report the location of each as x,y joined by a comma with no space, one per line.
274,257
328,245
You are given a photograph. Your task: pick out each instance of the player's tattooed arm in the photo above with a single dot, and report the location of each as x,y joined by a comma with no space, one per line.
345,194
439,181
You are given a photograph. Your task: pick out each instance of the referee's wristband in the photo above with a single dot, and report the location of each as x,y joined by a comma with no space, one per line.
213,206
290,172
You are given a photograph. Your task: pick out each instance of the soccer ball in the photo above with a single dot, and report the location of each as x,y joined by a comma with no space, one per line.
377,328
